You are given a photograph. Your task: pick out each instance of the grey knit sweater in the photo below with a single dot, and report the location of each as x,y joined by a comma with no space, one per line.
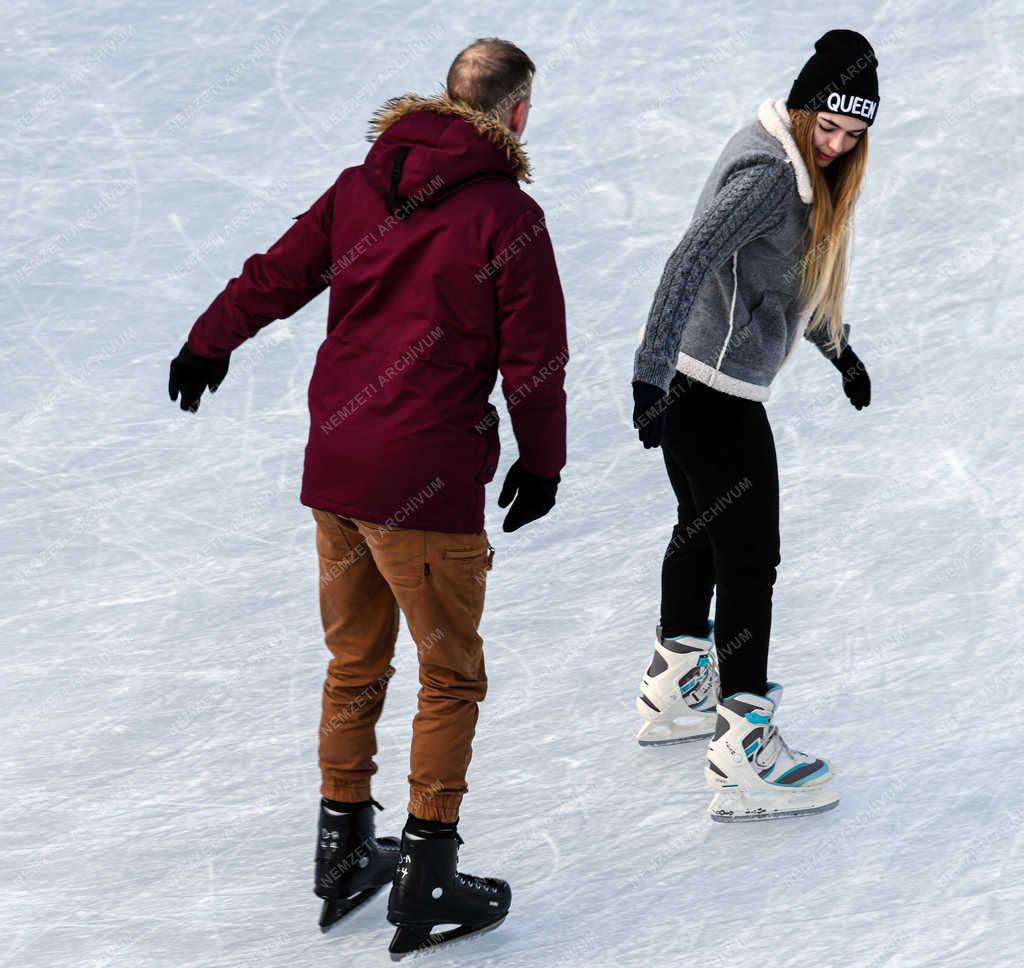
727,311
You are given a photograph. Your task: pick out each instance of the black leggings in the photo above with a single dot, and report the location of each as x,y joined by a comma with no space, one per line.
720,457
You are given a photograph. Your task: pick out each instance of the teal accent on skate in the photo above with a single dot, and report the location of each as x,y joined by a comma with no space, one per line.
811,776
676,638
749,750
803,780
757,718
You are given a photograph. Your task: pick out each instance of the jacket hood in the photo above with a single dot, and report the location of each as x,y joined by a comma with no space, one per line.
424,147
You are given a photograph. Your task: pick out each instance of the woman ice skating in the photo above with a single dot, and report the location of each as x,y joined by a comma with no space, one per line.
762,264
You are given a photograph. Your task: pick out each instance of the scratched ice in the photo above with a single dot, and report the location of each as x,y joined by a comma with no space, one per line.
161,646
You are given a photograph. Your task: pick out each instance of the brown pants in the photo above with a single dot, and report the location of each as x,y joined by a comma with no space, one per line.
367,573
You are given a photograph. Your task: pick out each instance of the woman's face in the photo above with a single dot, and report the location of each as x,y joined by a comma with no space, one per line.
834,135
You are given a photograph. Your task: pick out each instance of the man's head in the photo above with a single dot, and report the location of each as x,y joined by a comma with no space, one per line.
495,76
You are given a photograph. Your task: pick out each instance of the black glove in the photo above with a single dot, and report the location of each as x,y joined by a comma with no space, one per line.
534,496
856,383
650,409
191,374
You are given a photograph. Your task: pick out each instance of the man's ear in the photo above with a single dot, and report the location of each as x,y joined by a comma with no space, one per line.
515,117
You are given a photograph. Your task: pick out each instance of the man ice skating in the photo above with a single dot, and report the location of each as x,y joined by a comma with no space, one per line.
441,274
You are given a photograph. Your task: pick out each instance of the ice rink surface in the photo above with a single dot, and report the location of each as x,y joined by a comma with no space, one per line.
161,647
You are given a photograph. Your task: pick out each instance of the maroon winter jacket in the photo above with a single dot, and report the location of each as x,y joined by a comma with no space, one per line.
441,274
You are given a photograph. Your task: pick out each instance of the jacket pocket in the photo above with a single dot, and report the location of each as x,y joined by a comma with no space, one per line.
745,315
488,429
760,345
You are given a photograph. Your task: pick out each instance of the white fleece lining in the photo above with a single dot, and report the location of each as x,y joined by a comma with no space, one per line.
691,366
719,380
774,118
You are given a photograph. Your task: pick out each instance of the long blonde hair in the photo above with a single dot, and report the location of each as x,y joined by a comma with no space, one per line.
829,228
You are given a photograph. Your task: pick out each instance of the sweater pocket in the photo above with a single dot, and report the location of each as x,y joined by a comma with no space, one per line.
758,345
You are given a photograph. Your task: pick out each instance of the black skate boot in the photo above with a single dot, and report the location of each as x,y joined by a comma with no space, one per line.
351,863
429,891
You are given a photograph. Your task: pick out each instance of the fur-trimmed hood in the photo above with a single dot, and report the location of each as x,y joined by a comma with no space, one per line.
426,147
486,124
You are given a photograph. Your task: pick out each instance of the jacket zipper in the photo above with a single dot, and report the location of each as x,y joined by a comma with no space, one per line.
732,312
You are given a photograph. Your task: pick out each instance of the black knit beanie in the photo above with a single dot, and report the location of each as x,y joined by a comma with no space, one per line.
841,76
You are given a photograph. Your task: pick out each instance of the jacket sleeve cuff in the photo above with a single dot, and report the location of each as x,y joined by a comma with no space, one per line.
199,345
653,370
540,437
846,359
822,341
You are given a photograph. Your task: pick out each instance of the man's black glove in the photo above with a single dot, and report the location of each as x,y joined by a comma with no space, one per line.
534,496
650,408
856,383
191,374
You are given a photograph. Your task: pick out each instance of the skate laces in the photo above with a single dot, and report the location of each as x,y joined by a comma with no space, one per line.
708,664
773,746
477,883
468,880
712,666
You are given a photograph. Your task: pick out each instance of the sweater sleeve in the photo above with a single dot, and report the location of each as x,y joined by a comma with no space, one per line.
749,204
272,285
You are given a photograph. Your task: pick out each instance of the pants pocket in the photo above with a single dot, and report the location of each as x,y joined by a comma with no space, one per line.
479,557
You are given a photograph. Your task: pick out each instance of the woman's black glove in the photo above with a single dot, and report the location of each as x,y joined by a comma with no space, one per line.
650,406
191,375
856,383
534,496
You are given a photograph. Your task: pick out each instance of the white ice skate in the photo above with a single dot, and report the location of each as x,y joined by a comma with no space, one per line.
679,691
754,774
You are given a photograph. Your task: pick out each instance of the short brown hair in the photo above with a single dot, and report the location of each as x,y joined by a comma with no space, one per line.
490,75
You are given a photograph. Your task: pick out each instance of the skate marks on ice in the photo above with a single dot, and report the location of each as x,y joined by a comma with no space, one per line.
922,867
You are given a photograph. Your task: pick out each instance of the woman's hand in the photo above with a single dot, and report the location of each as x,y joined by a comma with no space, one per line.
650,405
856,382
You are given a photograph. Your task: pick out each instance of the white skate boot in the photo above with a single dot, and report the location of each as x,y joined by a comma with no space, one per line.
754,774
679,691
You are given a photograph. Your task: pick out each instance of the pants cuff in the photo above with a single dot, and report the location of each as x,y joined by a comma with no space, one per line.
344,792
437,806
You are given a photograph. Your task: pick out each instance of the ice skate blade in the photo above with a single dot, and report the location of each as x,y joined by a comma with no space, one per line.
416,939
672,734
735,807
334,910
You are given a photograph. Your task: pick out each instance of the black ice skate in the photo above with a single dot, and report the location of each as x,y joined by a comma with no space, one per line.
429,891
351,863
